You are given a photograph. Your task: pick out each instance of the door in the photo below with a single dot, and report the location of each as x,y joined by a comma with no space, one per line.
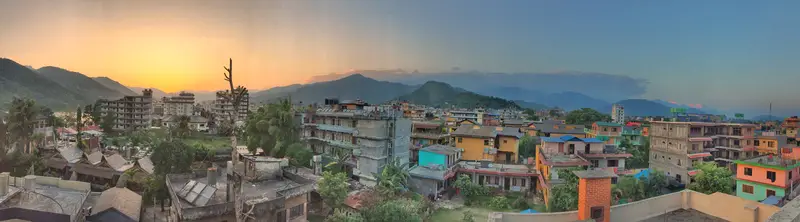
770,193
507,184
508,158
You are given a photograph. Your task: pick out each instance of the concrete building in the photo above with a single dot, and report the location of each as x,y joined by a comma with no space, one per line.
790,127
634,134
594,193
618,114
270,192
459,115
130,112
770,144
436,170
223,107
425,134
39,198
506,177
554,128
609,133
676,146
196,123
766,176
181,105
487,143
367,137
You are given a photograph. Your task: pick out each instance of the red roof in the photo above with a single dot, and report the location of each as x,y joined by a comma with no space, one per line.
693,172
607,155
698,155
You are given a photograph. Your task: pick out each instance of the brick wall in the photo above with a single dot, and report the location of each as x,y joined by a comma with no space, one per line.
594,193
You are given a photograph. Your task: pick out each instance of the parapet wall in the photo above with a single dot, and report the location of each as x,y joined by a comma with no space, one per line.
52,181
730,208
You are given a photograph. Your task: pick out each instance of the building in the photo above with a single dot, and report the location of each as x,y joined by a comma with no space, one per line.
506,177
196,123
130,112
790,127
425,134
223,108
96,168
436,170
117,204
676,146
765,176
554,128
770,144
39,198
634,134
594,204
514,123
364,137
609,133
472,115
618,114
487,143
568,151
271,192
181,105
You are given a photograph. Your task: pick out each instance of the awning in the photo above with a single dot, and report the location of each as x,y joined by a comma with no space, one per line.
693,172
698,155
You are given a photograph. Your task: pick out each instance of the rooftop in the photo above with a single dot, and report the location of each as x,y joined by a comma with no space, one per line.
558,127
177,182
563,160
771,161
607,124
496,168
441,149
682,215
47,198
566,138
594,174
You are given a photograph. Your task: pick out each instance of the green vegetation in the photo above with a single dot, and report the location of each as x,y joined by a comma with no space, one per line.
641,154
531,114
333,188
393,178
629,189
527,146
713,179
439,94
564,197
586,117
17,131
20,81
472,192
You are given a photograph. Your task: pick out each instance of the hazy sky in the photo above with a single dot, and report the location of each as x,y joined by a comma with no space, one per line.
721,53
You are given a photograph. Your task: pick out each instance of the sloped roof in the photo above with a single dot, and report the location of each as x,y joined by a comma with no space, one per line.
559,128
146,164
117,162
121,199
71,154
510,131
566,138
470,130
95,157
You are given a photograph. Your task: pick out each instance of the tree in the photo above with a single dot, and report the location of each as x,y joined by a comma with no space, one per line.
654,182
182,130
712,179
107,123
273,129
396,210
564,197
95,114
78,127
333,188
470,190
169,157
629,189
586,116
531,114
340,215
393,178
21,121
527,146
640,154
299,155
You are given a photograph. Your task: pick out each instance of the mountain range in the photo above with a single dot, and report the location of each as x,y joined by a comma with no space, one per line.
351,87
439,94
20,81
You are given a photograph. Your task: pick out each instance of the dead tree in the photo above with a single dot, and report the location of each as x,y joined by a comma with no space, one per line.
235,97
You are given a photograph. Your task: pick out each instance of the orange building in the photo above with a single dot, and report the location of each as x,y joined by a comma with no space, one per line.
497,144
765,176
594,195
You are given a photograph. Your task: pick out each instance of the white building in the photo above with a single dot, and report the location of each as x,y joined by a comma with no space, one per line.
181,105
223,108
618,113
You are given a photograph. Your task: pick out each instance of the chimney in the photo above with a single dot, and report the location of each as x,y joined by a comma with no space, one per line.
122,182
317,163
28,182
212,176
128,153
4,183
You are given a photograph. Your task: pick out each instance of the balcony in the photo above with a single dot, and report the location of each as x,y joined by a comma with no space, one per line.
631,132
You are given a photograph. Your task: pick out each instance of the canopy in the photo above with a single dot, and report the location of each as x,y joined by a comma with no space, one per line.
771,200
529,211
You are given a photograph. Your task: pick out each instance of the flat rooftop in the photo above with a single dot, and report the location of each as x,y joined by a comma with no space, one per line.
771,161
563,160
496,168
682,215
177,183
49,199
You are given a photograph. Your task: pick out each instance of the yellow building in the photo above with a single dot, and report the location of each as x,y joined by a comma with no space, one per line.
497,144
769,144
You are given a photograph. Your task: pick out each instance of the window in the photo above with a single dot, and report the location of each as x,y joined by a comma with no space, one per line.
597,212
747,188
522,182
771,176
770,143
770,193
694,147
514,182
679,162
297,211
505,141
614,129
459,140
790,174
605,129
756,142
486,142
595,163
748,171
613,180
612,163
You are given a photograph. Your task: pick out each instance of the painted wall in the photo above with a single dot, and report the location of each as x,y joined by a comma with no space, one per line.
759,190
579,135
426,158
510,145
760,175
473,148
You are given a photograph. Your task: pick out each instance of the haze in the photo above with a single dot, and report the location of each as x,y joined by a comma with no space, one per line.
729,54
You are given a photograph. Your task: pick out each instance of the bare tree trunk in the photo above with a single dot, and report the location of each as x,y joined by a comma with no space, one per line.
234,98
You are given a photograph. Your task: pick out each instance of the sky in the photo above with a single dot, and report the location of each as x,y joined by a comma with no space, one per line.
719,53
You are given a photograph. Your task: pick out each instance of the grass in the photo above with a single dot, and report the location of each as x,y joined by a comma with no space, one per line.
315,218
456,215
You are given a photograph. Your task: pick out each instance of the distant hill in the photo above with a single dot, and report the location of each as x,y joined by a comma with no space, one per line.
157,93
112,84
761,118
80,83
439,94
530,105
643,107
564,100
275,92
21,81
355,86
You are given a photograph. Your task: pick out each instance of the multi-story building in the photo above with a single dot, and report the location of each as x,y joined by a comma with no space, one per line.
618,114
181,105
676,146
554,128
634,134
425,134
223,107
435,171
770,144
485,143
610,133
130,112
364,137
790,126
471,115
764,176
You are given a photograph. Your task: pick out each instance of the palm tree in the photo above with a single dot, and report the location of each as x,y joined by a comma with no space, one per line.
182,129
21,120
394,177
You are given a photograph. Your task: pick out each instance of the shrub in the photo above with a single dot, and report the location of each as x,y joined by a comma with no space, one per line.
520,203
500,202
468,217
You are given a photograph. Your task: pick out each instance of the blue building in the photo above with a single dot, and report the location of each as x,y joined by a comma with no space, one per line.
436,169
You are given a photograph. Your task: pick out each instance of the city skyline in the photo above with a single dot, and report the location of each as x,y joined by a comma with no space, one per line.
711,53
